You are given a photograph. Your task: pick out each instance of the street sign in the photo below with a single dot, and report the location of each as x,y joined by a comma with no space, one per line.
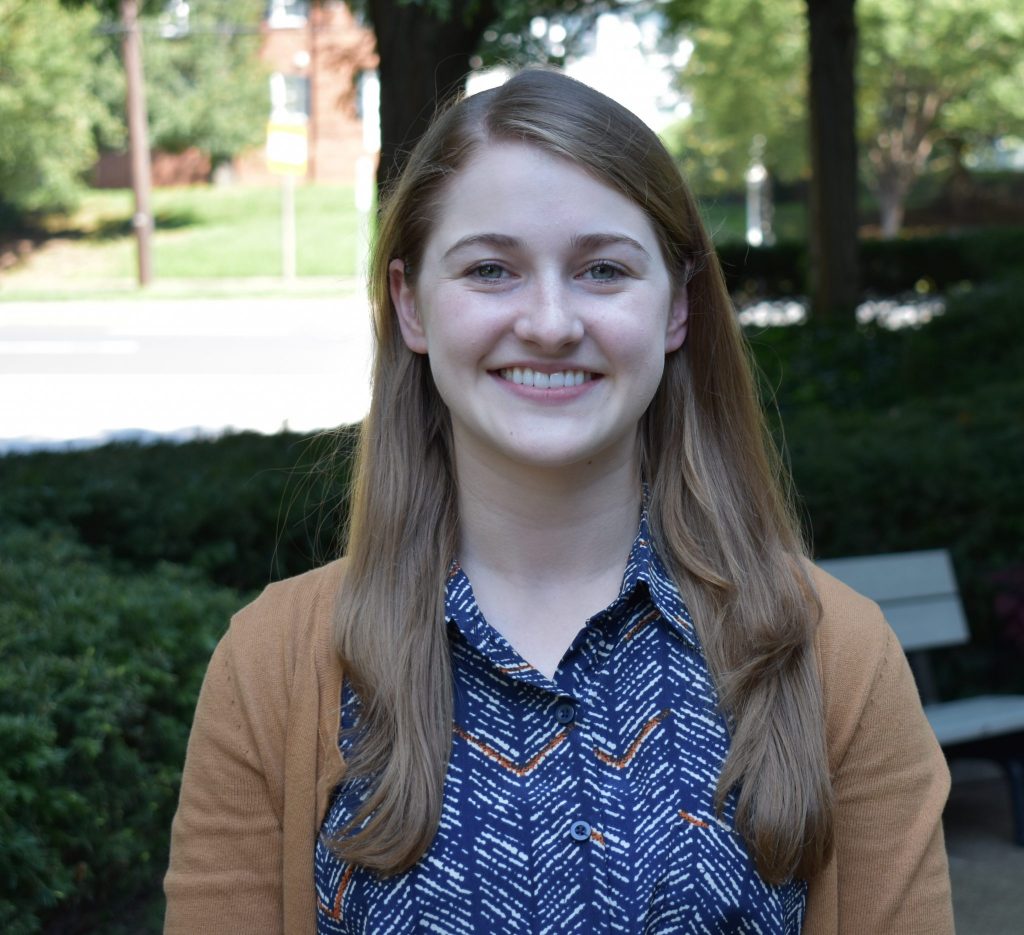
287,148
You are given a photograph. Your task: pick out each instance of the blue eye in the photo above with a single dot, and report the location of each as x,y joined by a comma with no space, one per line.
603,272
488,271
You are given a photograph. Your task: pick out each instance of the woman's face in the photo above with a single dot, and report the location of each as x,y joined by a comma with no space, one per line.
545,307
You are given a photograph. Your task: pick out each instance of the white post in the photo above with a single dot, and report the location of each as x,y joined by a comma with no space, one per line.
288,227
366,166
756,176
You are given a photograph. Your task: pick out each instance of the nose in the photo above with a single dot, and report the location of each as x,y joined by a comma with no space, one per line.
548,317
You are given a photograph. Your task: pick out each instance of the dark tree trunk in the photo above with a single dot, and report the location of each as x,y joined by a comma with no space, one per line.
833,231
423,59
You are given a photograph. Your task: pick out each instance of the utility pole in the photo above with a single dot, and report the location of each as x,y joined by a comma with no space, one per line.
138,138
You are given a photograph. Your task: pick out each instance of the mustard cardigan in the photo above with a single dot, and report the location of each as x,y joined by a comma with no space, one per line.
263,759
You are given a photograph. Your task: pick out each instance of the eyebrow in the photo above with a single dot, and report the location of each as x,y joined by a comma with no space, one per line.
579,242
596,241
488,240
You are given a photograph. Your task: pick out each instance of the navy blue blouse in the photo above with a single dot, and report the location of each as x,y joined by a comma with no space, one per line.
577,804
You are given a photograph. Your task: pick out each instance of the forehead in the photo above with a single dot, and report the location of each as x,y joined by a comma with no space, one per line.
525,191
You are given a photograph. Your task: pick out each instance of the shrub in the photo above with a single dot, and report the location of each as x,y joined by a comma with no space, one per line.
887,266
911,440
100,676
243,509
939,473
975,343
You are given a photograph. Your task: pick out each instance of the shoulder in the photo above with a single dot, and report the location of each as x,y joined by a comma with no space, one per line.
889,779
860,660
288,623
850,624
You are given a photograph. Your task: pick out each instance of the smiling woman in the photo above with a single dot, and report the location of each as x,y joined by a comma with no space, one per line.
575,672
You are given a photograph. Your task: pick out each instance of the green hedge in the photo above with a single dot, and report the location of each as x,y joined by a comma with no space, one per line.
99,679
915,439
943,473
244,509
887,266
975,343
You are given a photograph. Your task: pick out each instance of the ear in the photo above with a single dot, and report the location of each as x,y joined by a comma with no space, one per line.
678,314
403,297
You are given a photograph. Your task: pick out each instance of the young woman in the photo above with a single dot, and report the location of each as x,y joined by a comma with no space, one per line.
575,673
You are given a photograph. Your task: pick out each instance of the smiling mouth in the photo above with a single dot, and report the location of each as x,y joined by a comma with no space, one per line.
524,376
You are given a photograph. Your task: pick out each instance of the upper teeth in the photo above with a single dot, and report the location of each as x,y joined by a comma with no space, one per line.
543,381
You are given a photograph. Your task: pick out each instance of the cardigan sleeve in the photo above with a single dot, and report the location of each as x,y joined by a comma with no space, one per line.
226,841
890,782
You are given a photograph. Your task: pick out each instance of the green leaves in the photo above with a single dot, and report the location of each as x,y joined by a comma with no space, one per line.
926,72
48,110
100,675
104,645
207,87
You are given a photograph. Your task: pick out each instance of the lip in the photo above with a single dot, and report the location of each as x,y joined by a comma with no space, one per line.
547,367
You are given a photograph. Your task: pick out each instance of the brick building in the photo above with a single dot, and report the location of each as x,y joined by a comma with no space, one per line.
318,54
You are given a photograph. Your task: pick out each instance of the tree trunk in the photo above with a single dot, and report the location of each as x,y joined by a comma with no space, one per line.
423,60
833,209
891,201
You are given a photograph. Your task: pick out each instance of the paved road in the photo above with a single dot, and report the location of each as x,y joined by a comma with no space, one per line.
91,369
986,867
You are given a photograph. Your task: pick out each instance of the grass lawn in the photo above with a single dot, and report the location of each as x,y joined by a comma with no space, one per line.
202,233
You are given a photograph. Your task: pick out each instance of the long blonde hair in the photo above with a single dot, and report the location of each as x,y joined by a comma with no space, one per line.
718,507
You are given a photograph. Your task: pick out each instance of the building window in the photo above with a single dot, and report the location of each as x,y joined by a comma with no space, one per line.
289,96
287,14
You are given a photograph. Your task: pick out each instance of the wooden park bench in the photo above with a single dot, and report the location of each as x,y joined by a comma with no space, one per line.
918,594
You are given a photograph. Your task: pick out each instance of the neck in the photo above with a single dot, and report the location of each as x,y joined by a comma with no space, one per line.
546,526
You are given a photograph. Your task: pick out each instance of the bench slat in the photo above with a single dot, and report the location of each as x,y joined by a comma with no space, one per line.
917,593
975,718
927,623
896,575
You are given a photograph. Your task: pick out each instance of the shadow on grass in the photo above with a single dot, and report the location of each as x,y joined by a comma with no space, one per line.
40,228
115,228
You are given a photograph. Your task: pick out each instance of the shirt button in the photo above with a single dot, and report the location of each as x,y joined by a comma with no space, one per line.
580,831
565,712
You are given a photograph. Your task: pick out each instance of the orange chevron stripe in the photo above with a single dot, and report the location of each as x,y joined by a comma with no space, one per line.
510,670
623,761
641,623
335,912
504,762
686,816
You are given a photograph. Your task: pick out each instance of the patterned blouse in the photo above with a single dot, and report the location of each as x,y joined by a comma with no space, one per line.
577,804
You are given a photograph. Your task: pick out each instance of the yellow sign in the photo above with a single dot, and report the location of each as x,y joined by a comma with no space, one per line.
287,148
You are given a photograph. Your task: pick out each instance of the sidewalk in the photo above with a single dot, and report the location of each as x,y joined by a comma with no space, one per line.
177,365
986,867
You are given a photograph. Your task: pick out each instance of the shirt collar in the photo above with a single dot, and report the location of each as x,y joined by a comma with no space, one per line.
643,567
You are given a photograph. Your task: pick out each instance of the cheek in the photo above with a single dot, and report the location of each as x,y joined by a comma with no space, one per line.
460,332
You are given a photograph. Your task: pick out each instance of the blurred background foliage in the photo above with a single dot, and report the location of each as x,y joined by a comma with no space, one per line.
935,81
62,91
